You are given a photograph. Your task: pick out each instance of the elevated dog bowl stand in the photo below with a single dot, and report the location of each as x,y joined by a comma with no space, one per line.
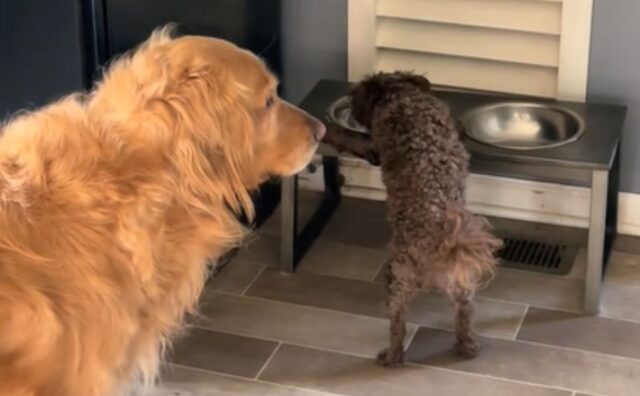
592,161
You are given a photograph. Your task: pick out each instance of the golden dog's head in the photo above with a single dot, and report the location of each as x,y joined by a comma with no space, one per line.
216,106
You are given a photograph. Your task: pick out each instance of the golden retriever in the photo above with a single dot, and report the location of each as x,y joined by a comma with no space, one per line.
112,202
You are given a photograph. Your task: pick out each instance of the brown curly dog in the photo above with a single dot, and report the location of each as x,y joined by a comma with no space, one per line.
437,244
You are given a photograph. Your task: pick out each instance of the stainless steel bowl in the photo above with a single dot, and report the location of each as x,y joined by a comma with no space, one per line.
523,126
339,112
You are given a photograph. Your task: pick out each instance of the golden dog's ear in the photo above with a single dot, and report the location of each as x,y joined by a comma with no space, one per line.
134,78
216,133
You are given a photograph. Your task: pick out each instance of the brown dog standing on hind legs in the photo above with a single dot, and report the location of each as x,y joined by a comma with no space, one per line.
437,244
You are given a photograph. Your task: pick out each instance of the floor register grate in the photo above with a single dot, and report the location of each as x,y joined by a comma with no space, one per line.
531,255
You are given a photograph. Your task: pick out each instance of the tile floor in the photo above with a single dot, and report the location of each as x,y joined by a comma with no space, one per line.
316,332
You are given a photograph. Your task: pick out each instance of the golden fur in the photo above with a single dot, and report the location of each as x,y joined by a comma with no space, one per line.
111,203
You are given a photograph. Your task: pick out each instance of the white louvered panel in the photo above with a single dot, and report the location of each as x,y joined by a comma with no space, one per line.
472,42
473,73
520,15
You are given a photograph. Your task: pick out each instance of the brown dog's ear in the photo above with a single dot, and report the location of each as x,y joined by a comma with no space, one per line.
364,97
398,78
418,80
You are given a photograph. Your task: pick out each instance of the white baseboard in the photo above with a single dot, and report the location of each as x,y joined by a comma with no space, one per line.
497,196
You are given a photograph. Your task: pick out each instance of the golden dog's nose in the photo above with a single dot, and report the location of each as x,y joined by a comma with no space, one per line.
318,129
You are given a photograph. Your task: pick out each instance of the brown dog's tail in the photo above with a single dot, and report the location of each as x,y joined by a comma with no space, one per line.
468,248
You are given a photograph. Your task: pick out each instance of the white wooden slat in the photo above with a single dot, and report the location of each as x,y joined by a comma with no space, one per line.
473,73
574,49
361,31
530,16
482,43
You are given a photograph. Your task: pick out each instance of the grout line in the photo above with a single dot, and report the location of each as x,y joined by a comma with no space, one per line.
561,309
372,357
617,283
478,297
292,343
346,313
493,377
408,364
255,279
411,337
306,390
521,322
377,272
449,330
264,367
576,350
313,307
245,379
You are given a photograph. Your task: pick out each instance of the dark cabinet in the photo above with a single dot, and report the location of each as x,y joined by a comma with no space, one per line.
54,47
42,52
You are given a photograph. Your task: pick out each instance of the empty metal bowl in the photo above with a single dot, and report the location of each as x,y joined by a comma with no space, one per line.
339,112
523,126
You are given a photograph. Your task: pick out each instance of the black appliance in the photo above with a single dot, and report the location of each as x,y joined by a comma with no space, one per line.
54,47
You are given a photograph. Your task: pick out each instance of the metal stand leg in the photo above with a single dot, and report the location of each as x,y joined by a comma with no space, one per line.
331,167
612,208
294,245
596,248
289,227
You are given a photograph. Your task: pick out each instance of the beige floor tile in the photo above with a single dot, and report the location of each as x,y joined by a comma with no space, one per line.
494,318
620,302
222,352
262,248
344,261
182,381
540,290
355,376
532,363
624,269
365,232
345,295
295,324
587,333
627,244
236,276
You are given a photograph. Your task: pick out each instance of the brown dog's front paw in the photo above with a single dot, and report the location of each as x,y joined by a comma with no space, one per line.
391,357
468,349
373,158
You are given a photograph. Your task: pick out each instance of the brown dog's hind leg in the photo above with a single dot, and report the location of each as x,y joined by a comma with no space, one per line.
466,346
402,289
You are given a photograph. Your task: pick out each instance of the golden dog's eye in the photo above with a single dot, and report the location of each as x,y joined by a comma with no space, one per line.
270,102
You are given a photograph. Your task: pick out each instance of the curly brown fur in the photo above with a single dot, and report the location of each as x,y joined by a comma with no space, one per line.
436,243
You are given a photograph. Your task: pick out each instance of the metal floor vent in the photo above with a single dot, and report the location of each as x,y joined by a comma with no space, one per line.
537,256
